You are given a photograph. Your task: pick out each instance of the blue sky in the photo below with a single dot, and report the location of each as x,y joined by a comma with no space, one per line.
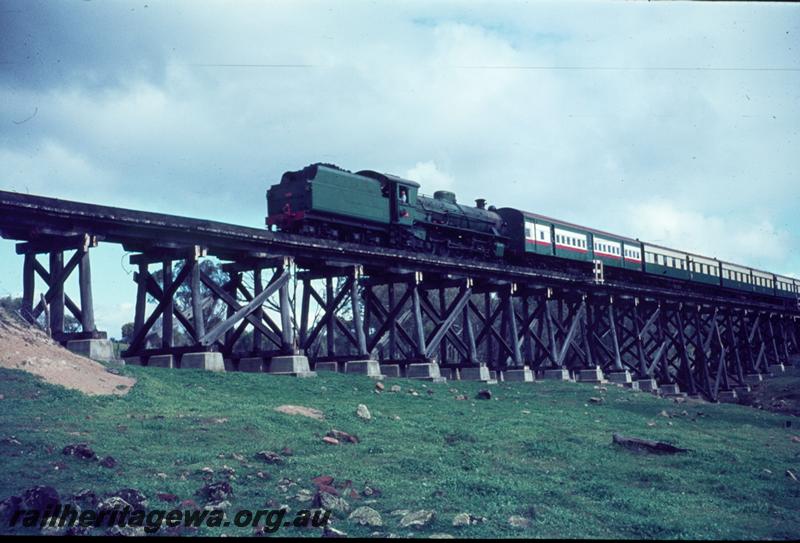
673,122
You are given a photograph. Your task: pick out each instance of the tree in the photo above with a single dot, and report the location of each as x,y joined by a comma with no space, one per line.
127,332
213,309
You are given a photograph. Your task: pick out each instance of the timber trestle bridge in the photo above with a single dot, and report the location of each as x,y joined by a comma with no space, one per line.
373,309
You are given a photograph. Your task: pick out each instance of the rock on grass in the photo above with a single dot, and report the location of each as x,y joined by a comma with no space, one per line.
517,521
363,412
417,519
80,450
366,516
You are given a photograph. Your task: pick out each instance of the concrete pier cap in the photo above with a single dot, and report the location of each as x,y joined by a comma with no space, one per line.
392,370
591,375
370,368
558,374
251,364
209,361
293,364
523,374
326,366
96,349
428,371
161,361
475,373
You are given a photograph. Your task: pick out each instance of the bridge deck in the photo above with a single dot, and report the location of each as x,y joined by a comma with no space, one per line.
44,221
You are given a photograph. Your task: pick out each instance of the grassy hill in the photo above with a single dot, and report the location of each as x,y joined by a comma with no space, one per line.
540,451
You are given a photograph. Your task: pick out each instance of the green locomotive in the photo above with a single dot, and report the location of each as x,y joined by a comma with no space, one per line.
371,207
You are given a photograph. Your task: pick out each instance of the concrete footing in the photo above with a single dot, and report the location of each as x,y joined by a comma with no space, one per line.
475,373
776,369
161,361
594,375
558,374
647,385
727,396
326,366
449,373
669,389
742,390
633,385
617,376
391,370
523,374
96,349
753,378
253,364
429,371
370,368
293,364
203,361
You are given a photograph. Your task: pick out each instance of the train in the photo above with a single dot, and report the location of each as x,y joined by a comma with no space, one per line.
326,201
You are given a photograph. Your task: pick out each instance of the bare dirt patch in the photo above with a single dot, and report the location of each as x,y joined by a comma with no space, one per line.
29,349
300,410
777,394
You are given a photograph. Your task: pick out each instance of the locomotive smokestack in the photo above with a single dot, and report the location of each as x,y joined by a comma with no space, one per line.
480,203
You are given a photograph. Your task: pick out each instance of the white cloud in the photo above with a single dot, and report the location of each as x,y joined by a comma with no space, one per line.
430,176
746,240
111,317
52,168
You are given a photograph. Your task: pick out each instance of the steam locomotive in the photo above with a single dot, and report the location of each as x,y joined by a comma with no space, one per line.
325,201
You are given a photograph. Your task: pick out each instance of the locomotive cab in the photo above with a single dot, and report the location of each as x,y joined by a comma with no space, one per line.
402,194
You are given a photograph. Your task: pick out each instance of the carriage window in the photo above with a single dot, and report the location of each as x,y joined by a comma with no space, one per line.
541,234
404,195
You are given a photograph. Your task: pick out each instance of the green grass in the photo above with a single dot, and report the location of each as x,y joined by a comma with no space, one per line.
539,450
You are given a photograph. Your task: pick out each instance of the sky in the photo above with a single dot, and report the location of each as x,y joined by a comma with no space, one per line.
673,122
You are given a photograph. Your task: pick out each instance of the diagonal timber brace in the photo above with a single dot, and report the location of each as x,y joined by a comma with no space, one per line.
281,279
